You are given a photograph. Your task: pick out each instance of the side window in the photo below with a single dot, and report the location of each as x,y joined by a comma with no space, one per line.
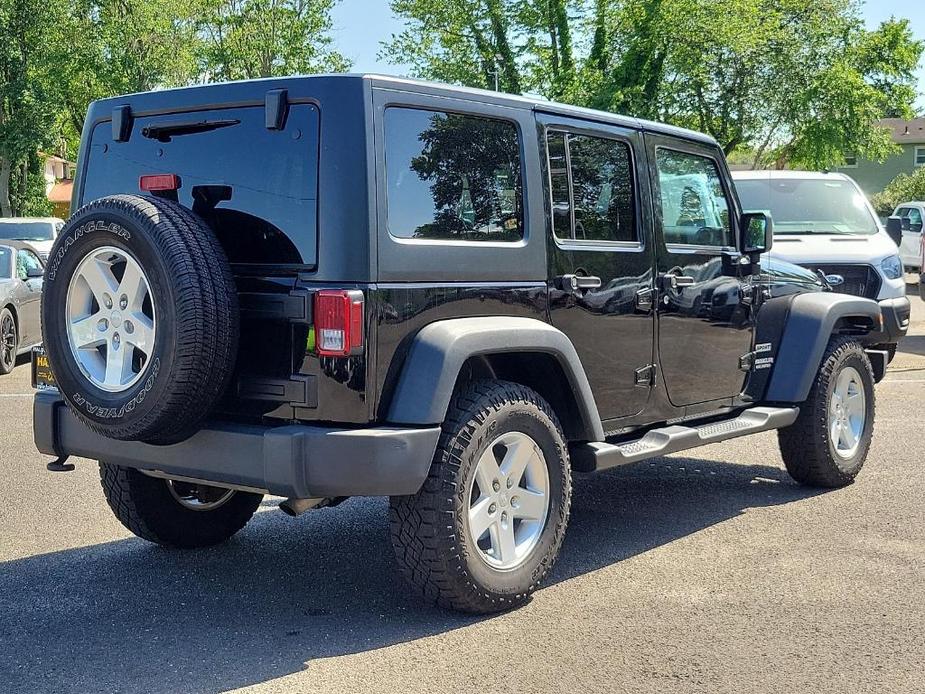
695,209
591,188
915,219
25,261
452,177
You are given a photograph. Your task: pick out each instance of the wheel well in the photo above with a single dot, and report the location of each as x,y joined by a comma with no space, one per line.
537,370
15,316
854,325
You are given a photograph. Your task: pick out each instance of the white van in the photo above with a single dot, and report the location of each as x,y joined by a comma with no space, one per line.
823,221
911,215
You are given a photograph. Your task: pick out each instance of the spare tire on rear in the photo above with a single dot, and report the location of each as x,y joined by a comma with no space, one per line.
140,318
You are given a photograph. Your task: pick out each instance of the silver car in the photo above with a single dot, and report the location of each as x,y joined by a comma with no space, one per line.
21,271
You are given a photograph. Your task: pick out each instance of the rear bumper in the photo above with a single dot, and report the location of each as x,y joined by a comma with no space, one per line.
296,461
895,313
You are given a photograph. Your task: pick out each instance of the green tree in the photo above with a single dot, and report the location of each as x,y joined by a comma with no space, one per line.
527,45
27,115
108,47
246,39
903,188
799,81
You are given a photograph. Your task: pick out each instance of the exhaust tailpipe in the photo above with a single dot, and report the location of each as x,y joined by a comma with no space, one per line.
296,507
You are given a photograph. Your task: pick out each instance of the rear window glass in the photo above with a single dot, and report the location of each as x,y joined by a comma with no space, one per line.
452,177
271,176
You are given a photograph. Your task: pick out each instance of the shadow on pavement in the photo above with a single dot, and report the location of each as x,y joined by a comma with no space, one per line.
912,344
127,615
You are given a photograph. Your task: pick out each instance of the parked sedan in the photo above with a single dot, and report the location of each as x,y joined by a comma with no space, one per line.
21,271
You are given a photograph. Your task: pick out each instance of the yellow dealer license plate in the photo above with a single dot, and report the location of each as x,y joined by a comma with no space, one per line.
42,377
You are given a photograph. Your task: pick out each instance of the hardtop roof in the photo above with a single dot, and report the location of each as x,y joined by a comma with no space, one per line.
257,87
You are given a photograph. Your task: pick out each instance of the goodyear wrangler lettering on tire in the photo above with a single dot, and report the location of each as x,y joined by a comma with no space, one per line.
140,318
78,233
112,413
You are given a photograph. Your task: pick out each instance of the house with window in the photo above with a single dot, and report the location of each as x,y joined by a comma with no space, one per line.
59,182
873,176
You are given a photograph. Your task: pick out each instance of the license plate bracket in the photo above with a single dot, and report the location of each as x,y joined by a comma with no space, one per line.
42,376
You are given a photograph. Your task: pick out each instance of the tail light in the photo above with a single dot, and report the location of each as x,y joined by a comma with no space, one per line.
338,319
158,182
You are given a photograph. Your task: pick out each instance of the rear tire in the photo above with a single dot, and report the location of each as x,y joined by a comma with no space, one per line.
487,525
828,444
175,514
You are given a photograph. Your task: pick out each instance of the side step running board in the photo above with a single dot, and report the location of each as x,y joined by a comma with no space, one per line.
599,455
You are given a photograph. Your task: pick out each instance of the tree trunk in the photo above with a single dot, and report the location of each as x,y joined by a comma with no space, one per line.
6,209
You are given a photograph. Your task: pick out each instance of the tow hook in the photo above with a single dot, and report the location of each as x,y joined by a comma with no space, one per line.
60,464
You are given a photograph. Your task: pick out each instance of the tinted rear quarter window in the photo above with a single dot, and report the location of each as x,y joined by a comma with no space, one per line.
271,175
452,177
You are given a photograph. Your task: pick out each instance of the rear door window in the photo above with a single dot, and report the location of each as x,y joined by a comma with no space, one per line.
591,186
270,177
452,177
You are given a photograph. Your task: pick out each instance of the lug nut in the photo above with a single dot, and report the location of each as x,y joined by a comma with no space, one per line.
115,340
103,325
107,300
492,508
495,485
123,302
129,328
515,501
510,483
504,517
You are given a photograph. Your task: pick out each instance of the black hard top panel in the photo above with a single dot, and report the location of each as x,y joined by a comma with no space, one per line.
254,91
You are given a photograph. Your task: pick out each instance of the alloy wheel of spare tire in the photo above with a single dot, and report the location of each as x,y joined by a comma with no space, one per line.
140,318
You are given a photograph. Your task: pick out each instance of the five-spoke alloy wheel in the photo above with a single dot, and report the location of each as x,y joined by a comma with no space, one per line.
508,500
111,322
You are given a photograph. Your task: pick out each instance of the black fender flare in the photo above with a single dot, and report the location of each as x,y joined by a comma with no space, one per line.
438,352
810,323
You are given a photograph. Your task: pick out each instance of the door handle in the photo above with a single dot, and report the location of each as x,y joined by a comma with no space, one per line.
578,283
672,280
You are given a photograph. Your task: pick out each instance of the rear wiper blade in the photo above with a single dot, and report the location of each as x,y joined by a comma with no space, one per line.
162,132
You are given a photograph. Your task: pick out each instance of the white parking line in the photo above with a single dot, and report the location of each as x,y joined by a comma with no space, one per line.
16,395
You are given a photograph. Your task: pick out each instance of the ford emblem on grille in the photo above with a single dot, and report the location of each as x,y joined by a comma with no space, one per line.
835,280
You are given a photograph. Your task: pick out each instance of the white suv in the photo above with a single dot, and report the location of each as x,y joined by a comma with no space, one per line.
824,222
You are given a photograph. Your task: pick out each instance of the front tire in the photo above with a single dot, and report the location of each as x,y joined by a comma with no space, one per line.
487,525
175,514
9,342
828,444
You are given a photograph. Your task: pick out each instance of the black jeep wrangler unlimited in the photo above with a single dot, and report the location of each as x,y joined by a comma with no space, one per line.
350,285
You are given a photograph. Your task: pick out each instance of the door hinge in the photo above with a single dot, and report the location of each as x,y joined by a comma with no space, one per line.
645,376
645,298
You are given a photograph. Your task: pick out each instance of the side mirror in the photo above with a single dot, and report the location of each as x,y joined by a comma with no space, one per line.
34,273
894,228
906,223
757,229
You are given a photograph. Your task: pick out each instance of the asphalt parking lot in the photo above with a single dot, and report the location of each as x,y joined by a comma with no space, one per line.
707,572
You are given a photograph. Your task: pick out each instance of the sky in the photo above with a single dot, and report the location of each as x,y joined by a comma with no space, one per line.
360,26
